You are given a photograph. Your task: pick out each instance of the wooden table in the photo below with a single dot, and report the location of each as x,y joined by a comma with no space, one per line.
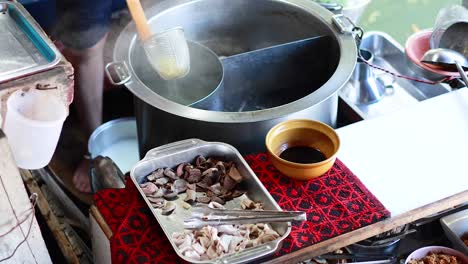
14,200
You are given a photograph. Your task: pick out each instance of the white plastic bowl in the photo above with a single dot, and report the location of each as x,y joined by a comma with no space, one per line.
422,252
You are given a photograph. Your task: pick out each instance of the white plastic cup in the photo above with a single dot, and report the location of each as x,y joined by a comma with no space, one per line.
33,123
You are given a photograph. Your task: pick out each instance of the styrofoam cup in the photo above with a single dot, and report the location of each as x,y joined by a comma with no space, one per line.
33,123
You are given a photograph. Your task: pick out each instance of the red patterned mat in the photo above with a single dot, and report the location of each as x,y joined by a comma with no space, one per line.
335,203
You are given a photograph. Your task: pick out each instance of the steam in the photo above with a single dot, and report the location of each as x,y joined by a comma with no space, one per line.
204,78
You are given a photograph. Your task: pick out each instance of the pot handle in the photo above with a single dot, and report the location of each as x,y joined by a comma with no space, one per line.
117,72
172,147
346,26
343,24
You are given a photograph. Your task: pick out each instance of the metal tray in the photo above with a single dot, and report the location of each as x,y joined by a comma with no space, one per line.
455,225
171,155
390,55
24,48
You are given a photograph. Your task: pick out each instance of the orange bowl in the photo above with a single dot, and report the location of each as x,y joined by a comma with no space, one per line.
303,133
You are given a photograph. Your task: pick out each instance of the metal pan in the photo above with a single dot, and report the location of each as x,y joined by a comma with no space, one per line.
24,47
171,155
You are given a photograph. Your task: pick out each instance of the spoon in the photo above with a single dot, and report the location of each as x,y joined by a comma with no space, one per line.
447,59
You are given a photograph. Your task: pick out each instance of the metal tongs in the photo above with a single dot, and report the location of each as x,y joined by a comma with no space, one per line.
204,216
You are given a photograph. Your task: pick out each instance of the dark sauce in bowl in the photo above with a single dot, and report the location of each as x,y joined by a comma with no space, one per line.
304,155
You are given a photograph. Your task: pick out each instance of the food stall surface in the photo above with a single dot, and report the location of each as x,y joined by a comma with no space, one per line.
363,142
396,150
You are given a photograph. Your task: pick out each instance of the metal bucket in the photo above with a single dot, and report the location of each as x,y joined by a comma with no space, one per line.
231,28
116,139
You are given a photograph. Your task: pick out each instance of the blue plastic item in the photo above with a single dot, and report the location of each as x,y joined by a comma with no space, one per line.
43,11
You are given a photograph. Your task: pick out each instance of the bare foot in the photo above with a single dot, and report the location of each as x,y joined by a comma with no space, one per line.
81,176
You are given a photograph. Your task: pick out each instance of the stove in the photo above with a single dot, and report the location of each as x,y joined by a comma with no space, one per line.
393,246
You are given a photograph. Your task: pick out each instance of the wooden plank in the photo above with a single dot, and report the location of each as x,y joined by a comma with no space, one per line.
66,218
14,199
51,219
55,193
371,230
100,221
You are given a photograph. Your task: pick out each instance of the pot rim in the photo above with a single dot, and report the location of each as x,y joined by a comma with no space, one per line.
346,64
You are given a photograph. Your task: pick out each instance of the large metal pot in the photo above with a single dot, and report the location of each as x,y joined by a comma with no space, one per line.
232,27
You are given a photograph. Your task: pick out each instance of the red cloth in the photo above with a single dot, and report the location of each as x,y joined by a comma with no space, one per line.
336,202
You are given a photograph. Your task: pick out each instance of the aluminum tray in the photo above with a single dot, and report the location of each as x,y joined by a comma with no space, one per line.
24,48
390,55
171,155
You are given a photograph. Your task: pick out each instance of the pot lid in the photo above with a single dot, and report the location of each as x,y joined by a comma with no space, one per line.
24,48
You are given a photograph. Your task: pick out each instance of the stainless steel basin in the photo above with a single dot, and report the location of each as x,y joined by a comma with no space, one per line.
390,55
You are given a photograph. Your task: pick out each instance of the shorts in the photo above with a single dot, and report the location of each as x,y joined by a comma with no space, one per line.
82,23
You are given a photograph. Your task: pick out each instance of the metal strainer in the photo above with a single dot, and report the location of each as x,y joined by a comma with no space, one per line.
167,51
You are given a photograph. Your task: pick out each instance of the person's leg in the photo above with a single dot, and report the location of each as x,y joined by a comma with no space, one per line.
82,28
89,79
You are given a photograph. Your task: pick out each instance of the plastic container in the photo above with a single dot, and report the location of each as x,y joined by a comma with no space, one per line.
33,123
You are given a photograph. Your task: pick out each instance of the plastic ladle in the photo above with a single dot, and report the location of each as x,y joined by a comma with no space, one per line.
448,59
167,51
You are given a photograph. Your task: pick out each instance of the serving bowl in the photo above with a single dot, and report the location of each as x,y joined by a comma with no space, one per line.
302,133
422,252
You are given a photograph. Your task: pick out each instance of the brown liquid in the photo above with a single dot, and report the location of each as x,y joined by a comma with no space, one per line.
303,155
